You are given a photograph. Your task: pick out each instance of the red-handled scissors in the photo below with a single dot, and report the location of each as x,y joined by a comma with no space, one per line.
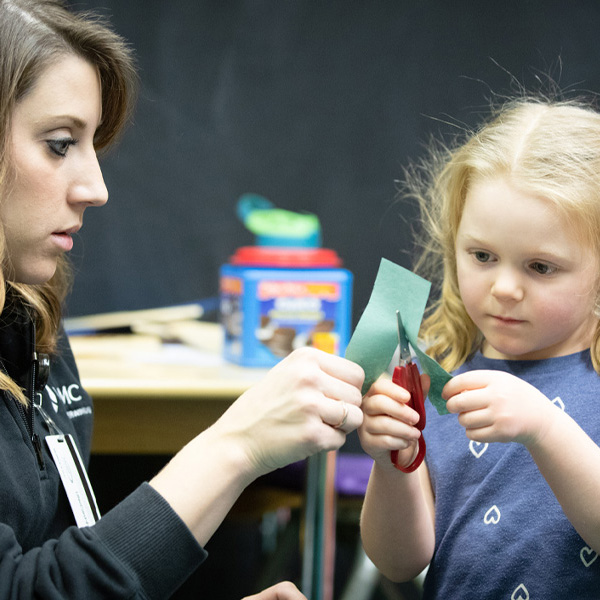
407,376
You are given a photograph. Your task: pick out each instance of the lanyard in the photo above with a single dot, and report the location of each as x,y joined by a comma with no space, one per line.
51,426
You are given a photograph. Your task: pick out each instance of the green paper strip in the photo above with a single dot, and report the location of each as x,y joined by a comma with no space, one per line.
375,338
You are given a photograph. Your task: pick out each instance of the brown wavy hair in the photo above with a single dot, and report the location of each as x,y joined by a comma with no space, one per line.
34,34
550,149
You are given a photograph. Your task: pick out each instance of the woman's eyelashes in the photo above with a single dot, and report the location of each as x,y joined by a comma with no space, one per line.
60,146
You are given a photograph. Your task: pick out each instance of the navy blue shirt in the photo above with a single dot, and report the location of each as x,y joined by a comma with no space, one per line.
500,532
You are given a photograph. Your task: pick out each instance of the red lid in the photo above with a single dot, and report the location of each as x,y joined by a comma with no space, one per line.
283,256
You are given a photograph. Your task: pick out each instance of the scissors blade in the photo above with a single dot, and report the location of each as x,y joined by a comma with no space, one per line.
402,340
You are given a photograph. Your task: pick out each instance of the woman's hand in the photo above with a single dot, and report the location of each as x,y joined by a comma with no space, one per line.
305,404
282,591
494,406
389,423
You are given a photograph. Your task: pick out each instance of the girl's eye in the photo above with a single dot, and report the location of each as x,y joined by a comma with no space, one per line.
60,146
481,256
542,268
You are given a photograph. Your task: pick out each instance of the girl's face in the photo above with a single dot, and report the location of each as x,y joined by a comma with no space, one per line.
526,281
56,171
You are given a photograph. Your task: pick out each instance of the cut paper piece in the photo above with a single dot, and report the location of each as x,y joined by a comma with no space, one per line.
375,338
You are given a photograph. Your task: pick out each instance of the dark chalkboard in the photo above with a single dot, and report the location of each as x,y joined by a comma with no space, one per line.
315,105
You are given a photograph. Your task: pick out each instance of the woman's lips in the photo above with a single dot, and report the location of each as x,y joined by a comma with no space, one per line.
63,240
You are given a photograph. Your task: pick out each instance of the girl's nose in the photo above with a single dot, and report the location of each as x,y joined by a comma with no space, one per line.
507,286
88,186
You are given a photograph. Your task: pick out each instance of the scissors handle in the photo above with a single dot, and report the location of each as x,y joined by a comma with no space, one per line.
408,377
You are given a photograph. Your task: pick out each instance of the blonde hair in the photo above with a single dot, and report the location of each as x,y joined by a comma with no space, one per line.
550,149
33,35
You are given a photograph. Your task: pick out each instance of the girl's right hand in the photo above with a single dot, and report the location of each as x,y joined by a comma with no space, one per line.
389,423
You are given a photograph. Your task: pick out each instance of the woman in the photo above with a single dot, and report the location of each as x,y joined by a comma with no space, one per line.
66,86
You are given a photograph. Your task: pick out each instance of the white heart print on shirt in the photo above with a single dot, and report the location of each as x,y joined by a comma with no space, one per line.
492,516
477,448
588,556
520,593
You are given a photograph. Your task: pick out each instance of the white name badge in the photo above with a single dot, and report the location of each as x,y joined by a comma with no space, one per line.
74,478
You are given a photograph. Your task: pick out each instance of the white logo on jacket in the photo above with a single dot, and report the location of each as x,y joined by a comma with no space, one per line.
67,394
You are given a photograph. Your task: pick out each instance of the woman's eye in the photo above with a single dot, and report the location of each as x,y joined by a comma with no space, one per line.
542,268
60,146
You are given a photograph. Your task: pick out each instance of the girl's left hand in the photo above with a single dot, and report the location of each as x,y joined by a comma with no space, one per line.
494,406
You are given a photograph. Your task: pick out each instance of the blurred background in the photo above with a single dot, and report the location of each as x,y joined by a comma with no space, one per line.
315,105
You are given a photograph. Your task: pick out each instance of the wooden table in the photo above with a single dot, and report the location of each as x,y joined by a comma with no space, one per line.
152,397
143,406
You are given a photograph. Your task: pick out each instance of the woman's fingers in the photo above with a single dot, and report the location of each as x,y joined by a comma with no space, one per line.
341,415
332,376
340,379
342,369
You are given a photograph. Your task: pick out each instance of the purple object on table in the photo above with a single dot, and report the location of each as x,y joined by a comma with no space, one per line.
352,473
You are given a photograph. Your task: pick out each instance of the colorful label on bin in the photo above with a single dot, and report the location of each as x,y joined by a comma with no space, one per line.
298,313
268,312
299,289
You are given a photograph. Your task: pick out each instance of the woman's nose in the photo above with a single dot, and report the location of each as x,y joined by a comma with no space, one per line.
88,185
507,286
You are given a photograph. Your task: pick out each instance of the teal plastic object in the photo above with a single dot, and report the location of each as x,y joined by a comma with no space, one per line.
278,227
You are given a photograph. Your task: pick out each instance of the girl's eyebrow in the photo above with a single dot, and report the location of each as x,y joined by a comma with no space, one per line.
470,238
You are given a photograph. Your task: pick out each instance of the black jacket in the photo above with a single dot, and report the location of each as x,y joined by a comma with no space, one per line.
140,549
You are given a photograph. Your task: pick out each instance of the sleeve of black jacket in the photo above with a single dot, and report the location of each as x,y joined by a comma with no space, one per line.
140,549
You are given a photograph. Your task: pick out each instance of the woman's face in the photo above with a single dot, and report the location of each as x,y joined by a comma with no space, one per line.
56,174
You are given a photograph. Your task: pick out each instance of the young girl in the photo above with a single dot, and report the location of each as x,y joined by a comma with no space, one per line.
511,510
65,92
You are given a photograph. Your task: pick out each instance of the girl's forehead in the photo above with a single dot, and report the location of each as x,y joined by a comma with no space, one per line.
500,198
498,213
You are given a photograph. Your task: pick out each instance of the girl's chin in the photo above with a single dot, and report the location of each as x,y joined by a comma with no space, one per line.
509,352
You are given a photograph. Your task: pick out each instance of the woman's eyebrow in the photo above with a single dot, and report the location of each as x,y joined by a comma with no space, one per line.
77,122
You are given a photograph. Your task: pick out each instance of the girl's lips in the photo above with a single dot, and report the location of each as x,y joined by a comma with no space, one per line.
507,320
